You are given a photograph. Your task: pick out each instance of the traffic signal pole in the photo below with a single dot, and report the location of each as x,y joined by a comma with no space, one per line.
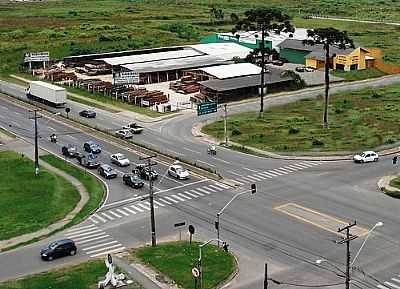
35,117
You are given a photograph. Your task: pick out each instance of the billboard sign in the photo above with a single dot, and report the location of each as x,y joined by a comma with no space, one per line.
37,56
126,77
206,108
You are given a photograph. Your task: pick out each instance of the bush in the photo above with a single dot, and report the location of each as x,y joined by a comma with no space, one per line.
376,95
184,31
236,132
293,130
317,142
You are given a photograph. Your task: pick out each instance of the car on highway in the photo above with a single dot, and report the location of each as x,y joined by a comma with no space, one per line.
133,181
69,150
92,147
107,171
144,172
124,133
87,113
120,160
133,128
58,249
177,171
88,160
365,157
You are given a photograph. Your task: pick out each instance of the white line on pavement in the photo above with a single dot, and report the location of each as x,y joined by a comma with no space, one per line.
122,212
250,170
172,200
80,228
221,160
392,285
203,191
93,239
196,152
158,203
136,208
129,210
107,216
98,217
91,236
236,174
210,189
99,245
184,196
143,206
381,287
222,185
115,214
178,198
164,201
82,234
108,252
190,194
148,204
196,192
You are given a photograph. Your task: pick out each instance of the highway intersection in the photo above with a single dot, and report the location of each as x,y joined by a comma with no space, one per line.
290,222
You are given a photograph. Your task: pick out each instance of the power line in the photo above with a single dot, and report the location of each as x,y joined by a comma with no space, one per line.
304,285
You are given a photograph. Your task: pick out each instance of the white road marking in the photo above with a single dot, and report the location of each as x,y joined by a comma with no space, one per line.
293,168
144,206
396,280
221,160
236,174
72,236
210,189
190,194
107,216
250,170
93,239
50,128
178,198
215,187
300,166
80,228
239,183
280,171
222,185
92,229
165,201
148,204
197,193
382,287
104,248
99,245
307,164
184,196
391,285
252,178
158,203
243,181
129,210
266,175
93,220
203,191
285,170
122,212
196,152
115,214
98,217
172,200
277,172
91,236
313,163
108,252
260,176
136,208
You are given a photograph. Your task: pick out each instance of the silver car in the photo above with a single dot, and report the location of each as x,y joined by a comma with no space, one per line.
120,159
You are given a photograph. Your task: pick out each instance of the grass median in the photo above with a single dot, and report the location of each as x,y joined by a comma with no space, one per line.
358,120
355,75
30,203
93,186
396,184
218,265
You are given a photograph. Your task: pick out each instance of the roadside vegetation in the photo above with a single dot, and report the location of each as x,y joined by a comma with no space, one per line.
81,276
30,203
358,74
65,29
394,183
217,264
93,186
359,120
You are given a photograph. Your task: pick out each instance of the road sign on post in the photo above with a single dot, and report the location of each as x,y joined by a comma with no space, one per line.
253,188
191,231
206,108
179,226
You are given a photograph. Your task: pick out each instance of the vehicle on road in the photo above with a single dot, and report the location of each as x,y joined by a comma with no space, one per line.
92,147
300,69
69,151
365,157
144,172
88,160
120,159
87,113
53,138
177,171
133,128
46,93
58,249
212,150
133,181
124,133
107,171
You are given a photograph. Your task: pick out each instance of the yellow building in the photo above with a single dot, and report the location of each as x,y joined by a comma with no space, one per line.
357,59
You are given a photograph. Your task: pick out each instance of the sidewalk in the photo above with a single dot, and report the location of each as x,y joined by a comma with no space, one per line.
25,149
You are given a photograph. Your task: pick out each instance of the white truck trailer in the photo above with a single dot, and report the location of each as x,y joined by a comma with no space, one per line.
47,93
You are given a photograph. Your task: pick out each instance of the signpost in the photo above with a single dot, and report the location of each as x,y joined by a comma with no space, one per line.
126,77
196,274
191,232
206,108
37,56
179,225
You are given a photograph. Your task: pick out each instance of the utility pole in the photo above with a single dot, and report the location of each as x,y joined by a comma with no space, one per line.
266,276
151,198
35,117
347,240
225,124
262,45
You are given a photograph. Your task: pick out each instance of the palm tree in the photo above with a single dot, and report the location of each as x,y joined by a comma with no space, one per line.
264,20
328,38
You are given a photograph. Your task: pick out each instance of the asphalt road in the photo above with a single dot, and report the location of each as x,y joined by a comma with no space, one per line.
289,223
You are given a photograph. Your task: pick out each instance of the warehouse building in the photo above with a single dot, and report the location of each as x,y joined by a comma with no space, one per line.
224,71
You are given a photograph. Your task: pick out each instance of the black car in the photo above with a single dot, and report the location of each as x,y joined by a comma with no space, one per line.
144,172
87,113
132,181
69,151
107,172
92,147
88,160
57,249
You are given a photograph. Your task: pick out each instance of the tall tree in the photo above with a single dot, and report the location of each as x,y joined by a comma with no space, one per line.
264,20
328,38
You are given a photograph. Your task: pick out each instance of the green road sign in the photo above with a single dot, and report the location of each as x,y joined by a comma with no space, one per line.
206,108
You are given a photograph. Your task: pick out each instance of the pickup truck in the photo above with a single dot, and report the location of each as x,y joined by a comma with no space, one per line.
134,128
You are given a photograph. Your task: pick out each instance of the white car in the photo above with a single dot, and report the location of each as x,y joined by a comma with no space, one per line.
177,171
365,157
124,133
120,159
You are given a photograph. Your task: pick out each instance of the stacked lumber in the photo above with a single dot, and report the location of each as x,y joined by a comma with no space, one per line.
187,84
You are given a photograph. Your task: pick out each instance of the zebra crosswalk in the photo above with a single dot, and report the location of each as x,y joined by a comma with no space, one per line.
94,241
274,173
159,202
393,283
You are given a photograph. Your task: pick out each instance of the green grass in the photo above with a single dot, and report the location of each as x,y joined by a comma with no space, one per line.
30,203
359,74
394,183
92,185
7,133
359,120
91,103
62,28
83,276
175,260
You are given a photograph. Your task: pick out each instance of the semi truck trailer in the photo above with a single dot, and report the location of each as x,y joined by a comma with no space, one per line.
47,93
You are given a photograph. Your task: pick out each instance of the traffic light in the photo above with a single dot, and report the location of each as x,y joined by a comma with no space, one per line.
216,225
253,188
394,160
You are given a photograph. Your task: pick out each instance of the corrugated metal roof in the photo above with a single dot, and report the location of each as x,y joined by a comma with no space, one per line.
223,50
149,57
172,64
232,70
274,76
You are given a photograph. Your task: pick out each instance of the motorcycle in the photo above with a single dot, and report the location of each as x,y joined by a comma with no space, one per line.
212,150
53,139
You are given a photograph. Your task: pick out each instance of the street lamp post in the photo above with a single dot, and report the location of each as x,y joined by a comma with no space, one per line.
320,261
200,257
379,224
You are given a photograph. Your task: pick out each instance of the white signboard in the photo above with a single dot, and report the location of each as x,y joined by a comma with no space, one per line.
37,56
126,77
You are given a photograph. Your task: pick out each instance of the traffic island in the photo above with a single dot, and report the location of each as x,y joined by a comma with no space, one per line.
176,263
82,276
390,185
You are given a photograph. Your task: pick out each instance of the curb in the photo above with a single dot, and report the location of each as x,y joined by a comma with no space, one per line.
231,278
384,184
